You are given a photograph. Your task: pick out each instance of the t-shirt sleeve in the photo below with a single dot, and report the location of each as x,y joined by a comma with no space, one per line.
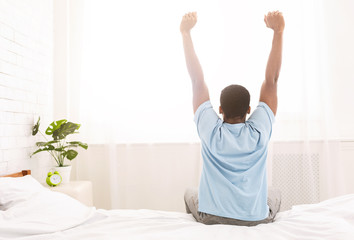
206,120
262,119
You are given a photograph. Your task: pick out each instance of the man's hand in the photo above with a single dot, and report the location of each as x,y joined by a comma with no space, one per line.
188,22
275,21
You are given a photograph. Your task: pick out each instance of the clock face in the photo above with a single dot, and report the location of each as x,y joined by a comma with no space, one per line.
55,179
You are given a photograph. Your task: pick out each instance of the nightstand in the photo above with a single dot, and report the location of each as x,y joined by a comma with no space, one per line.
80,190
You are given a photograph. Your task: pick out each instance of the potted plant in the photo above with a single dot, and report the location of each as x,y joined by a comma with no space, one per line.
58,147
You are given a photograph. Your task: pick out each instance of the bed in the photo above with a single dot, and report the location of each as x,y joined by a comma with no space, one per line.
32,212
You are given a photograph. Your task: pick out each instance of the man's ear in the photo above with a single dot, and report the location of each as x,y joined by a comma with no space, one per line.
220,110
249,110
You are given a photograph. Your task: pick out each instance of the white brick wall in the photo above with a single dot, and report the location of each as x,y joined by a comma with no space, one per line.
26,52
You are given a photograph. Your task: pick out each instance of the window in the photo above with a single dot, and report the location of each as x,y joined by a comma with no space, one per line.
134,83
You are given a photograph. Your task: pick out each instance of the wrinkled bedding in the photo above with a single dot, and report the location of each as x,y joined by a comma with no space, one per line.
50,215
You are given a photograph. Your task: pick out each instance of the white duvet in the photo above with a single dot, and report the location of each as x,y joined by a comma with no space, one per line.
37,218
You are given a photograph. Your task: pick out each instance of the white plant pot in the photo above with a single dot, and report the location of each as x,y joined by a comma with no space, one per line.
64,172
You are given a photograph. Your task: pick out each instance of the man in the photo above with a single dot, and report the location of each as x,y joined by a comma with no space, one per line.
233,186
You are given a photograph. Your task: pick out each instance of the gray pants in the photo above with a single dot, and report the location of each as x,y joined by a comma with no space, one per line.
191,201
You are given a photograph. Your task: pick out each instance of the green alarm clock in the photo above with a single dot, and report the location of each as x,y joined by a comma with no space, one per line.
53,179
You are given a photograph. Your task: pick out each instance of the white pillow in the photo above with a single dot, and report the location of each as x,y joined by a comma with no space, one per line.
29,208
16,190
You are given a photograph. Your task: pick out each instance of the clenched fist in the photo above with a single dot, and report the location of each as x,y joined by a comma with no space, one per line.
188,22
275,21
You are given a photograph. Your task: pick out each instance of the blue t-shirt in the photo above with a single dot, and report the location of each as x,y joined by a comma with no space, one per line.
233,183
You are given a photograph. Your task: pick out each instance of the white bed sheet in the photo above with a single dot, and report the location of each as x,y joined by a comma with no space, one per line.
331,219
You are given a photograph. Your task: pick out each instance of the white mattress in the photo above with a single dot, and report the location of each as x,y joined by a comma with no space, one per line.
331,219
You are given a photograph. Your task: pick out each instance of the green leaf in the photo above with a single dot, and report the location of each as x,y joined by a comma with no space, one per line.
64,130
71,145
48,148
83,145
71,154
42,144
54,126
35,128
61,149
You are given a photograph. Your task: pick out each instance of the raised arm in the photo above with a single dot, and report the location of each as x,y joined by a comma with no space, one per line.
275,21
200,89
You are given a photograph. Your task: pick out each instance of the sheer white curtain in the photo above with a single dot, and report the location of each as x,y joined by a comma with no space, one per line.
134,92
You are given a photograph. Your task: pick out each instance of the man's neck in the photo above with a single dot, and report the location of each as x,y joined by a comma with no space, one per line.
235,120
